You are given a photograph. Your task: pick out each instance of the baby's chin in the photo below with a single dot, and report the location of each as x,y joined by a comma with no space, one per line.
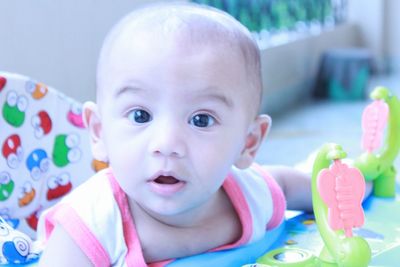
172,211
168,213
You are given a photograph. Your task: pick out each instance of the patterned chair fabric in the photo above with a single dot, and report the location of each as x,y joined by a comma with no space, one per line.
45,149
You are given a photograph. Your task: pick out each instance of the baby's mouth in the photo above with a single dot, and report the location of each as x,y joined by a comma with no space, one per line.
166,185
166,180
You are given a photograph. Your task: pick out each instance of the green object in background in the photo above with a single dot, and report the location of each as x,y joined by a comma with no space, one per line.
272,15
343,73
337,90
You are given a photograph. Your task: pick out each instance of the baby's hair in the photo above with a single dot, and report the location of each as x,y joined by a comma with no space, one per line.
194,25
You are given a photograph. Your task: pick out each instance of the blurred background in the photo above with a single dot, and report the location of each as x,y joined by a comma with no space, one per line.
320,58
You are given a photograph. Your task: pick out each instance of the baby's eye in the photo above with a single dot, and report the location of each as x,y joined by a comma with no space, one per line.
202,120
139,116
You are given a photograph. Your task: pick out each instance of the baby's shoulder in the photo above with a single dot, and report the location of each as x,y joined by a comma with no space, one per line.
93,202
91,213
253,176
252,185
96,188
263,196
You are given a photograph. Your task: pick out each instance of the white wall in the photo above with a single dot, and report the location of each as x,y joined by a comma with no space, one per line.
370,16
57,42
289,70
379,22
393,34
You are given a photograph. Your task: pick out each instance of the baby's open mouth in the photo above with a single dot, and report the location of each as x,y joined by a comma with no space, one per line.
166,184
166,180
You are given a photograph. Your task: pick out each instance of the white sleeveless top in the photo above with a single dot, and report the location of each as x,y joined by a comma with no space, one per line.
96,215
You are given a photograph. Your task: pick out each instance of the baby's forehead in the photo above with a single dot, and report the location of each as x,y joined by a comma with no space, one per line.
188,27
186,24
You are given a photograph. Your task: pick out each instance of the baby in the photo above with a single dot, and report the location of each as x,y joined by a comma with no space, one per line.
178,91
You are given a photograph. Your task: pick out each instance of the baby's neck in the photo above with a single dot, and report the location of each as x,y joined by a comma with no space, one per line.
214,224
208,211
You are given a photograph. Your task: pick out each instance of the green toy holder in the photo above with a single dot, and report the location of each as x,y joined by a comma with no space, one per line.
340,247
378,167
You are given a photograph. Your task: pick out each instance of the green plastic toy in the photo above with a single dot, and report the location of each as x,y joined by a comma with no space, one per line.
340,248
376,166
379,167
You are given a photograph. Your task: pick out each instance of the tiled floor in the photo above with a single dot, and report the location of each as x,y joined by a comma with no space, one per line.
297,133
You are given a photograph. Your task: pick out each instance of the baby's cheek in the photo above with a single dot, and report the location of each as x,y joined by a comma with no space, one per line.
125,181
217,164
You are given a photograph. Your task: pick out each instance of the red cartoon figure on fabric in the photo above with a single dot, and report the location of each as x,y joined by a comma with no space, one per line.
27,194
41,123
37,90
58,186
74,116
3,82
12,151
32,220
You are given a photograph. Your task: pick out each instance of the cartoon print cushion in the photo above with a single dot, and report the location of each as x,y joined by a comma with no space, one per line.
45,149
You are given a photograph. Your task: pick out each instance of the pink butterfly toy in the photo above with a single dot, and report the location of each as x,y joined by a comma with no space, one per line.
342,188
374,120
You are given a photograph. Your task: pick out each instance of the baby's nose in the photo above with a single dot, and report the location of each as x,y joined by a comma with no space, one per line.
169,141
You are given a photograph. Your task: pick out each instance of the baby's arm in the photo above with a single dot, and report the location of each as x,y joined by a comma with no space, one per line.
296,186
61,250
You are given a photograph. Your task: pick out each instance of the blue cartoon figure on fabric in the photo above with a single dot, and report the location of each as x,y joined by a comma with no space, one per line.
37,163
15,246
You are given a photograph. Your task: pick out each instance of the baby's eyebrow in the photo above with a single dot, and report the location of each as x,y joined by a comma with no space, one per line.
209,94
217,97
127,89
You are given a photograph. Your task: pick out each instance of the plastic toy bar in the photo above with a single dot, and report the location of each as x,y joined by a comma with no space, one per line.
379,167
337,194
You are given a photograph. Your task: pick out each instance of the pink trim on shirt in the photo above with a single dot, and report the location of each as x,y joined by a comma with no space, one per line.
242,209
49,222
278,198
134,257
67,217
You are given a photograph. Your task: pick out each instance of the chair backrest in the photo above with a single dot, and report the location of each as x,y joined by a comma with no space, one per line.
45,150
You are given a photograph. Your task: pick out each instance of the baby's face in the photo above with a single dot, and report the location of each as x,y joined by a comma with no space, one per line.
174,119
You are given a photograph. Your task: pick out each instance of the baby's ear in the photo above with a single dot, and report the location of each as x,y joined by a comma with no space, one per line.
258,131
92,121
